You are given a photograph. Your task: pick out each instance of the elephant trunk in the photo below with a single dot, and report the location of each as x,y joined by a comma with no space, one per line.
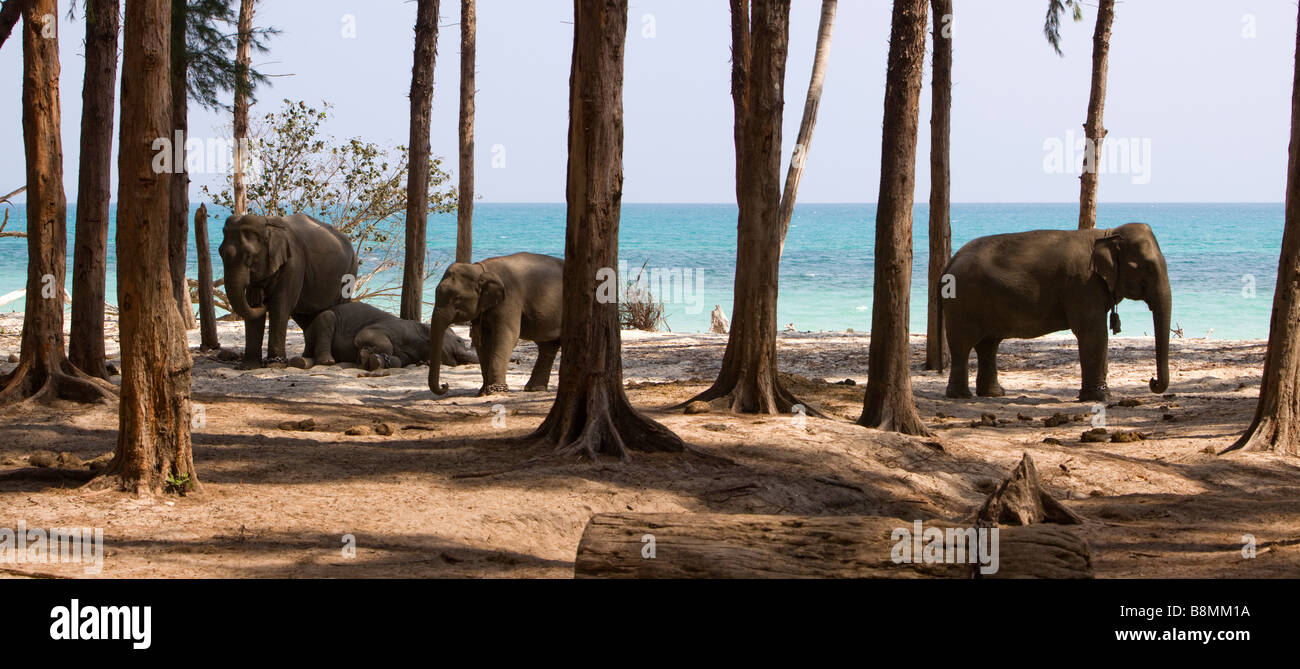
237,292
1161,305
438,325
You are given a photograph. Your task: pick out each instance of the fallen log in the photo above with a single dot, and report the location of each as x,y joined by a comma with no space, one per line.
707,545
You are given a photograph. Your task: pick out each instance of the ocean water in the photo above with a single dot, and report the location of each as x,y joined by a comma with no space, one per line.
1222,258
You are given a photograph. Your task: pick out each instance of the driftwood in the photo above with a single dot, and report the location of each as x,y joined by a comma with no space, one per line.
705,545
1021,500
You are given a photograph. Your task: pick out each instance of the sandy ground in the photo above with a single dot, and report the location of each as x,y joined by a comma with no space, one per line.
455,491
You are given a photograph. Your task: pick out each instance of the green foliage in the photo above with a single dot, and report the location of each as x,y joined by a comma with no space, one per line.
179,485
211,38
1052,25
354,185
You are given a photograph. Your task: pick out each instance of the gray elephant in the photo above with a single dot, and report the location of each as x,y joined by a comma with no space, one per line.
283,266
504,300
1029,284
359,333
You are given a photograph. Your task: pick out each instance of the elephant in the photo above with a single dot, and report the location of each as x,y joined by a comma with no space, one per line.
503,299
1029,284
359,333
283,266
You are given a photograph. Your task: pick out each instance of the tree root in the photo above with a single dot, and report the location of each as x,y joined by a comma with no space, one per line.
603,422
34,382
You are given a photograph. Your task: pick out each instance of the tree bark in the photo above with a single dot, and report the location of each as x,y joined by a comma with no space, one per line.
43,371
720,545
207,309
153,440
89,259
179,230
591,414
888,403
417,183
242,86
936,350
465,191
1276,425
804,142
748,381
1092,127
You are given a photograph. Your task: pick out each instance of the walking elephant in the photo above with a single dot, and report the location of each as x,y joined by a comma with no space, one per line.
1029,284
283,266
504,300
359,333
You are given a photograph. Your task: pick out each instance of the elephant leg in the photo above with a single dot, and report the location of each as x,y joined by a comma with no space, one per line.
541,375
986,377
959,369
376,353
494,358
254,329
321,337
1093,341
275,344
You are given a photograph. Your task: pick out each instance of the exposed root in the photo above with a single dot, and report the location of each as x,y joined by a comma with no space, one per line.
1265,435
35,382
603,422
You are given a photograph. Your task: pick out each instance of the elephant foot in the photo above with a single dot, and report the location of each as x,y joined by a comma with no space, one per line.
300,362
277,363
493,389
249,364
957,393
992,391
535,387
1101,394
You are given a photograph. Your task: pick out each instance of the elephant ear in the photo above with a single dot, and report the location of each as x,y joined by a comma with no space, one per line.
491,291
277,246
1105,258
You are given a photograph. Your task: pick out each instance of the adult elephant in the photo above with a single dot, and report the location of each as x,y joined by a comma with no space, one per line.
373,338
504,300
1029,284
283,266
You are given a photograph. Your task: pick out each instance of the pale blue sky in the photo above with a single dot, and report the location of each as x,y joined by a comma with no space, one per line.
1213,101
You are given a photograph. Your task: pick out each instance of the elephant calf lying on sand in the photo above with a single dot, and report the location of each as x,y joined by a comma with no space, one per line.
359,333
1028,284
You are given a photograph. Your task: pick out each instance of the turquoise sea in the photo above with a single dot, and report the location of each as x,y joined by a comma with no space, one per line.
1222,257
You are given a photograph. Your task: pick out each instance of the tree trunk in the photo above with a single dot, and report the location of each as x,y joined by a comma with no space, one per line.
242,85
936,350
43,370
465,191
591,414
417,183
721,545
748,380
9,15
179,229
810,106
207,310
1276,425
153,442
888,404
89,255
1092,127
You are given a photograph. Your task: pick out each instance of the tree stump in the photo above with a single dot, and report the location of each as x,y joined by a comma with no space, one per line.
1021,500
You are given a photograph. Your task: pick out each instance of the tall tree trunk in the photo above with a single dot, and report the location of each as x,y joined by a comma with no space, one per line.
591,414
153,440
465,191
936,350
207,309
1092,127
417,183
888,403
242,85
820,58
748,379
43,370
1276,426
89,254
179,229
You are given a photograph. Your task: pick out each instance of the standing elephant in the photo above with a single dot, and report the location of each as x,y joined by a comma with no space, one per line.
284,266
504,299
359,333
1028,284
